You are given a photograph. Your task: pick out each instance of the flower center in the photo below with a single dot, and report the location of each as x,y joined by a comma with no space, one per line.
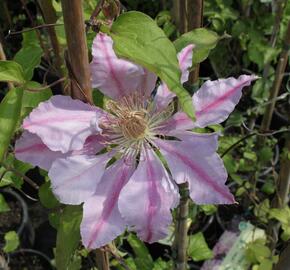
134,125
131,122
129,119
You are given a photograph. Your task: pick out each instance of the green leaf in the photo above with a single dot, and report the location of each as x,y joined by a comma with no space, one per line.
266,265
11,178
10,109
11,71
265,154
236,119
209,209
75,263
143,258
68,236
32,99
204,41
7,176
230,164
54,219
285,236
4,207
46,196
29,56
98,98
262,210
138,38
198,249
11,241
282,215
130,263
257,252
269,187
159,264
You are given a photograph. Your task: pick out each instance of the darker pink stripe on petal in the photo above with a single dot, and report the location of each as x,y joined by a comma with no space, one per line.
184,56
110,204
50,120
35,148
152,195
114,76
221,99
199,171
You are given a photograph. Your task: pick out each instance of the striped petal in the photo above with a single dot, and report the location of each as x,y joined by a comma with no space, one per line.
74,179
147,83
146,200
196,162
178,122
215,100
185,61
113,76
102,221
62,123
29,148
164,96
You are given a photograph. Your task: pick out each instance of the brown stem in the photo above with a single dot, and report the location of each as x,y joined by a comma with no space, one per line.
163,4
280,4
45,86
38,34
21,175
195,20
181,239
3,57
175,11
281,198
78,66
97,10
182,17
50,17
190,17
77,50
277,82
284,260
102,259
47,25
6,13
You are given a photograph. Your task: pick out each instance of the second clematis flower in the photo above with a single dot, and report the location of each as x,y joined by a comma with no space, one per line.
123,162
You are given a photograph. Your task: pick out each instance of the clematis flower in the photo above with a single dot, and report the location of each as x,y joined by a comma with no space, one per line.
123,163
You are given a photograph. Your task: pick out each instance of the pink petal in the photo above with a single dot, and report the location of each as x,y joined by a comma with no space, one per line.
185,61
215,100
74,179
29,148
164,96
113,76
179,121
195,160
102,221
92,145
62,123
146,200
147,83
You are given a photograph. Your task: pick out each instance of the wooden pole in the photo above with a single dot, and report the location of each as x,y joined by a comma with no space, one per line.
281,199
79,72
3,58
180,244
284,260
49,16
267,117
190,17
194,12
77,50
